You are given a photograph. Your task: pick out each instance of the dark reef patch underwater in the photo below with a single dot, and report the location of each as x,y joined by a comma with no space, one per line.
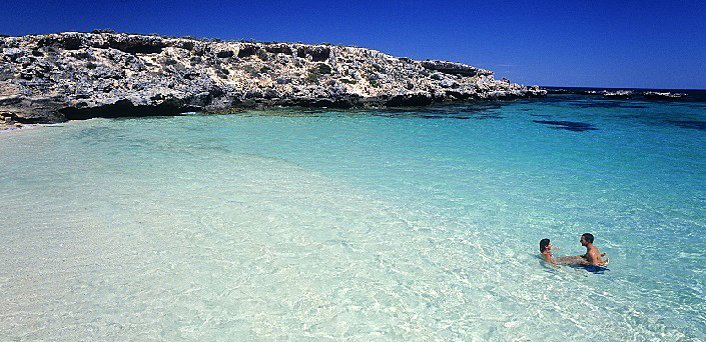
691,124
568,125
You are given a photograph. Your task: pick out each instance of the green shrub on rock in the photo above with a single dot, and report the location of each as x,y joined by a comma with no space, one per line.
317,71
324,68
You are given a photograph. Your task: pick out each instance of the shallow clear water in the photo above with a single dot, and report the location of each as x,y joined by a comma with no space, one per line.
387,225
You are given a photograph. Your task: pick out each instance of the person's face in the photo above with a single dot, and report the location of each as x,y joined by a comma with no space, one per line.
583,241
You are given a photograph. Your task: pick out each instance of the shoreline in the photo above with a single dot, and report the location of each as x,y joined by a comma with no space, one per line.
5,128
17,126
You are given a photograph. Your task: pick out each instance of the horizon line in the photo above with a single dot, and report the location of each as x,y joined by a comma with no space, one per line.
642,88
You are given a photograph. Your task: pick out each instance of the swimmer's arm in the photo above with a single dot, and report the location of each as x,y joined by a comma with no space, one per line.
585,256
596,263
583,261
568,260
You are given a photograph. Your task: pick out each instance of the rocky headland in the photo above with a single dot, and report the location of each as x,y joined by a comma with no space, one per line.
57,77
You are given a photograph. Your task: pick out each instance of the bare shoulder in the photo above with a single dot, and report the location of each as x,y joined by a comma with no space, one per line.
595,252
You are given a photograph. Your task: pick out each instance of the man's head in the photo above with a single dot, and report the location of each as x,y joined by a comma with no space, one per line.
543,245
586,238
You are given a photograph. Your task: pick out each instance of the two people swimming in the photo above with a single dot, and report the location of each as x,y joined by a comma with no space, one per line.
593,256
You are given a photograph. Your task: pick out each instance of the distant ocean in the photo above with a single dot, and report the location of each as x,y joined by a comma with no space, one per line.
693,95
415,224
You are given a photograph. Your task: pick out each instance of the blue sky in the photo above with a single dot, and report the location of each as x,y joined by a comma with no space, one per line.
652,44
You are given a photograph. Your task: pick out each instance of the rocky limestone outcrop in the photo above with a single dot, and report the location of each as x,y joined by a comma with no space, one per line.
55,77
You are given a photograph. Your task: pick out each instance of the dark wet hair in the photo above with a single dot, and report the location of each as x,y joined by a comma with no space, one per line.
543,245
588,237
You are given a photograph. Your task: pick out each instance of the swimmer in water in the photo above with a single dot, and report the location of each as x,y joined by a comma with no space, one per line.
593,256
545,248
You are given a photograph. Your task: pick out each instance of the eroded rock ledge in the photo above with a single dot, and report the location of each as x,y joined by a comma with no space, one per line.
55,77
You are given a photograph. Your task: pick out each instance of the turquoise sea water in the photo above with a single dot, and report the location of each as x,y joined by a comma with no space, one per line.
358,225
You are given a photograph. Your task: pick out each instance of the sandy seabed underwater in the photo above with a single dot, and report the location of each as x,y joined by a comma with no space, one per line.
358,225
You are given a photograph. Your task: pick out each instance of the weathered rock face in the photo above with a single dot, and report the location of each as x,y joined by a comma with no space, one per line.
55,77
